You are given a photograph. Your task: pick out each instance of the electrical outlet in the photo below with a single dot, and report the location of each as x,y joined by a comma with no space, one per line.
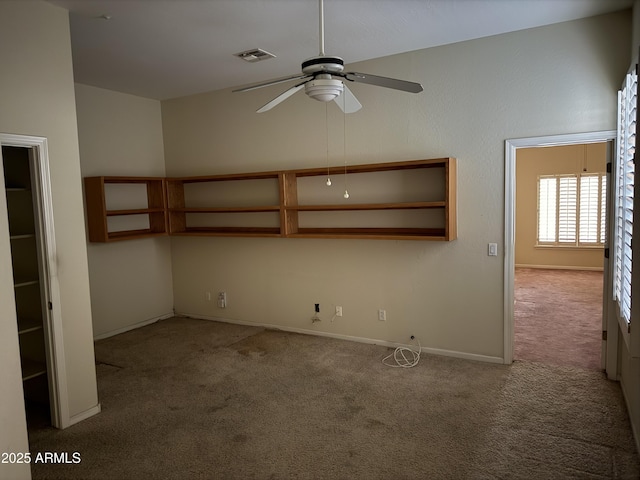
338,311
382,315
222,300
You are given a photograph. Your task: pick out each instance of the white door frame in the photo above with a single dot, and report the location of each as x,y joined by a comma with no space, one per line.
58,392
511,147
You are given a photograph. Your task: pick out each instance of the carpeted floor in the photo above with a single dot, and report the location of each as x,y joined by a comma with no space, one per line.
558,317
193,399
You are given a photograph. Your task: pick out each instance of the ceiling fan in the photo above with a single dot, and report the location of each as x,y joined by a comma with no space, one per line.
324,80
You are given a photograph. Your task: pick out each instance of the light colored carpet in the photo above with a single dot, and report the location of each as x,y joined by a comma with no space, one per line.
558,317
192,399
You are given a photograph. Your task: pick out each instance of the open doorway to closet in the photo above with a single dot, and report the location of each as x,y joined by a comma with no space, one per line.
554,294
25,182
559,254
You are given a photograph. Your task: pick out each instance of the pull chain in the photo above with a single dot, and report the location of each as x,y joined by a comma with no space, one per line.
344,143
326,121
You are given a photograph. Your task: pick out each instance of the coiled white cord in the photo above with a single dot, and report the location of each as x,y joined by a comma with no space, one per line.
404,357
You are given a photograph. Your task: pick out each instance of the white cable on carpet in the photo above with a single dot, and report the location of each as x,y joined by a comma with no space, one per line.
400,356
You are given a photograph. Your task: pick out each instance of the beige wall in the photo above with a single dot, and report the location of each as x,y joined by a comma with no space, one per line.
37,98
565,76
530,164
130,281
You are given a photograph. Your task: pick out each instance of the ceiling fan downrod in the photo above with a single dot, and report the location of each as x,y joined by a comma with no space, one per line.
321,28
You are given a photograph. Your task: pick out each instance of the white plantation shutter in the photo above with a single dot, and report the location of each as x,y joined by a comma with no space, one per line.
590,200
567,203
627,105
603,210
547,209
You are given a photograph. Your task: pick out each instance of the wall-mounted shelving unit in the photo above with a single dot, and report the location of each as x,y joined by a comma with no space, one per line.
225,205
149,220
412,200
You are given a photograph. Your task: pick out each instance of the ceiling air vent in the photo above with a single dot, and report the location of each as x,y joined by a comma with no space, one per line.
255,55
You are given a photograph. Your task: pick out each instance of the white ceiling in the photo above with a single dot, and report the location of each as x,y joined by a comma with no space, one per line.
170,48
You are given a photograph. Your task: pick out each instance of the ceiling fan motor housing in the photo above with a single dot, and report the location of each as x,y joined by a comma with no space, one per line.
323,64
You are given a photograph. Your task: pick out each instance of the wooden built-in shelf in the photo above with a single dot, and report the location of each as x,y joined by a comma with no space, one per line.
270,204
97,212
367,206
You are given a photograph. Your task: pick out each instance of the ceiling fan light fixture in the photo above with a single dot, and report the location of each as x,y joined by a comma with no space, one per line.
324,90
319,79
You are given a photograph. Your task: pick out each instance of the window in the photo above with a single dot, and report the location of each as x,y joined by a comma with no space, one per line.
624,175
571,209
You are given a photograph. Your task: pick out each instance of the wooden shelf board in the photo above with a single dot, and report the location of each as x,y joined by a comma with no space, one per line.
126,179
32,369
374,167
132,234
16,189
366,206
134,211
372,233
26,325
231,231
227,177
258,209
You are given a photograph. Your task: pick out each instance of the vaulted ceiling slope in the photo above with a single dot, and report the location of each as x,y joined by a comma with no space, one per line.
171,48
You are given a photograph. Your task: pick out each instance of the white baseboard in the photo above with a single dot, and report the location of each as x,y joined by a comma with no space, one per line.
82,416
371,341
560,267
102,336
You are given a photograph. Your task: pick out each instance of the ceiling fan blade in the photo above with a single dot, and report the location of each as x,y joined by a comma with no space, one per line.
271,82
348,102
394,83
281,98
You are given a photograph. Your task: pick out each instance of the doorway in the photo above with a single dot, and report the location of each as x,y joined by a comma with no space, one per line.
559,253
609,346
26,187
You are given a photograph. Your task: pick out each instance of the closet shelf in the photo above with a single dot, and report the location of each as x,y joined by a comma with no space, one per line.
24,282
26,325
22,236
32,369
